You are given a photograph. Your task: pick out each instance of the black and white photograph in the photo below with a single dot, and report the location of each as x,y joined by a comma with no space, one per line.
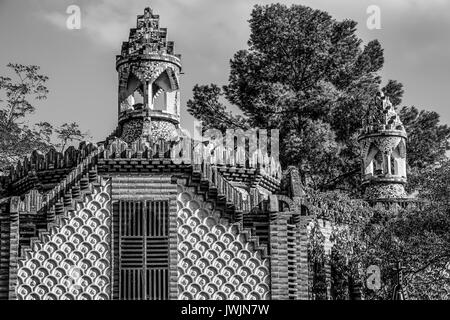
247,150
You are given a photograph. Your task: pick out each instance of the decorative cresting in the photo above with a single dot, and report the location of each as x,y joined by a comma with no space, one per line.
383,148
38,166
215,261
149,85
72,262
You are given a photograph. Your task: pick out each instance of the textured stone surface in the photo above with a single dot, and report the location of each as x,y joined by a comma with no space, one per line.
74,263
387,144
214,260
163,130
148,65
155,131
132,130
382,115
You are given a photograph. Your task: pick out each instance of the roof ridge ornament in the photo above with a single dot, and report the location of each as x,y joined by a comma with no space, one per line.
382,115
149,86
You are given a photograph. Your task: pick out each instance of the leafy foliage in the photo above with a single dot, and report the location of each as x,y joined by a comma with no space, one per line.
311,77
17,137
428,140
69,132
30,84
206,104
348,217
421,240
364,236
306,74
317,260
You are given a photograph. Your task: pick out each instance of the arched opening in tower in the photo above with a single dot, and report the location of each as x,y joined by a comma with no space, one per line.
138,99
133,96
159,101
164,93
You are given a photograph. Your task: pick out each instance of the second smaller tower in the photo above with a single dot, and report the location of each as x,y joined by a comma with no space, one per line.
383,149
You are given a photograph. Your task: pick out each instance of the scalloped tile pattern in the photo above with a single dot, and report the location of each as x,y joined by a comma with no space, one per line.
74,263
214,260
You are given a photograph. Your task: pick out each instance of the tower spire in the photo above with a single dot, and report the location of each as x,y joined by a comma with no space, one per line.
149,86
383,146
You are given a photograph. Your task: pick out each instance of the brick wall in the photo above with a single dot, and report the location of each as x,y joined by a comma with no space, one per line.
279,256
9,246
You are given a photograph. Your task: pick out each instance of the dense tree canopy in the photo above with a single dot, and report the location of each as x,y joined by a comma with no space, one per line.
427,138
363,236
311,77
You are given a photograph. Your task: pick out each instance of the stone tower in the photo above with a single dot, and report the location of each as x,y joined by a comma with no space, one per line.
149,85
383,149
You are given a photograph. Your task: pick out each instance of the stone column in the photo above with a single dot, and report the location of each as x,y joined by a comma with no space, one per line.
388,164
278,245
148,95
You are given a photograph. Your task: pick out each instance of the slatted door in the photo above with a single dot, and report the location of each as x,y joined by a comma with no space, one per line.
143,250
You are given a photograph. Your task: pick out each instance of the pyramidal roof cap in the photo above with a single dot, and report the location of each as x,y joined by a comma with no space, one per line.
148,37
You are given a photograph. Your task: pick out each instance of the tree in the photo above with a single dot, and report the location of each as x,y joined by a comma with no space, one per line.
431,184
16,137
30,84
363,236
348,217
428,140
420,239
69,132
307,75
206,105
317,260
312,78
